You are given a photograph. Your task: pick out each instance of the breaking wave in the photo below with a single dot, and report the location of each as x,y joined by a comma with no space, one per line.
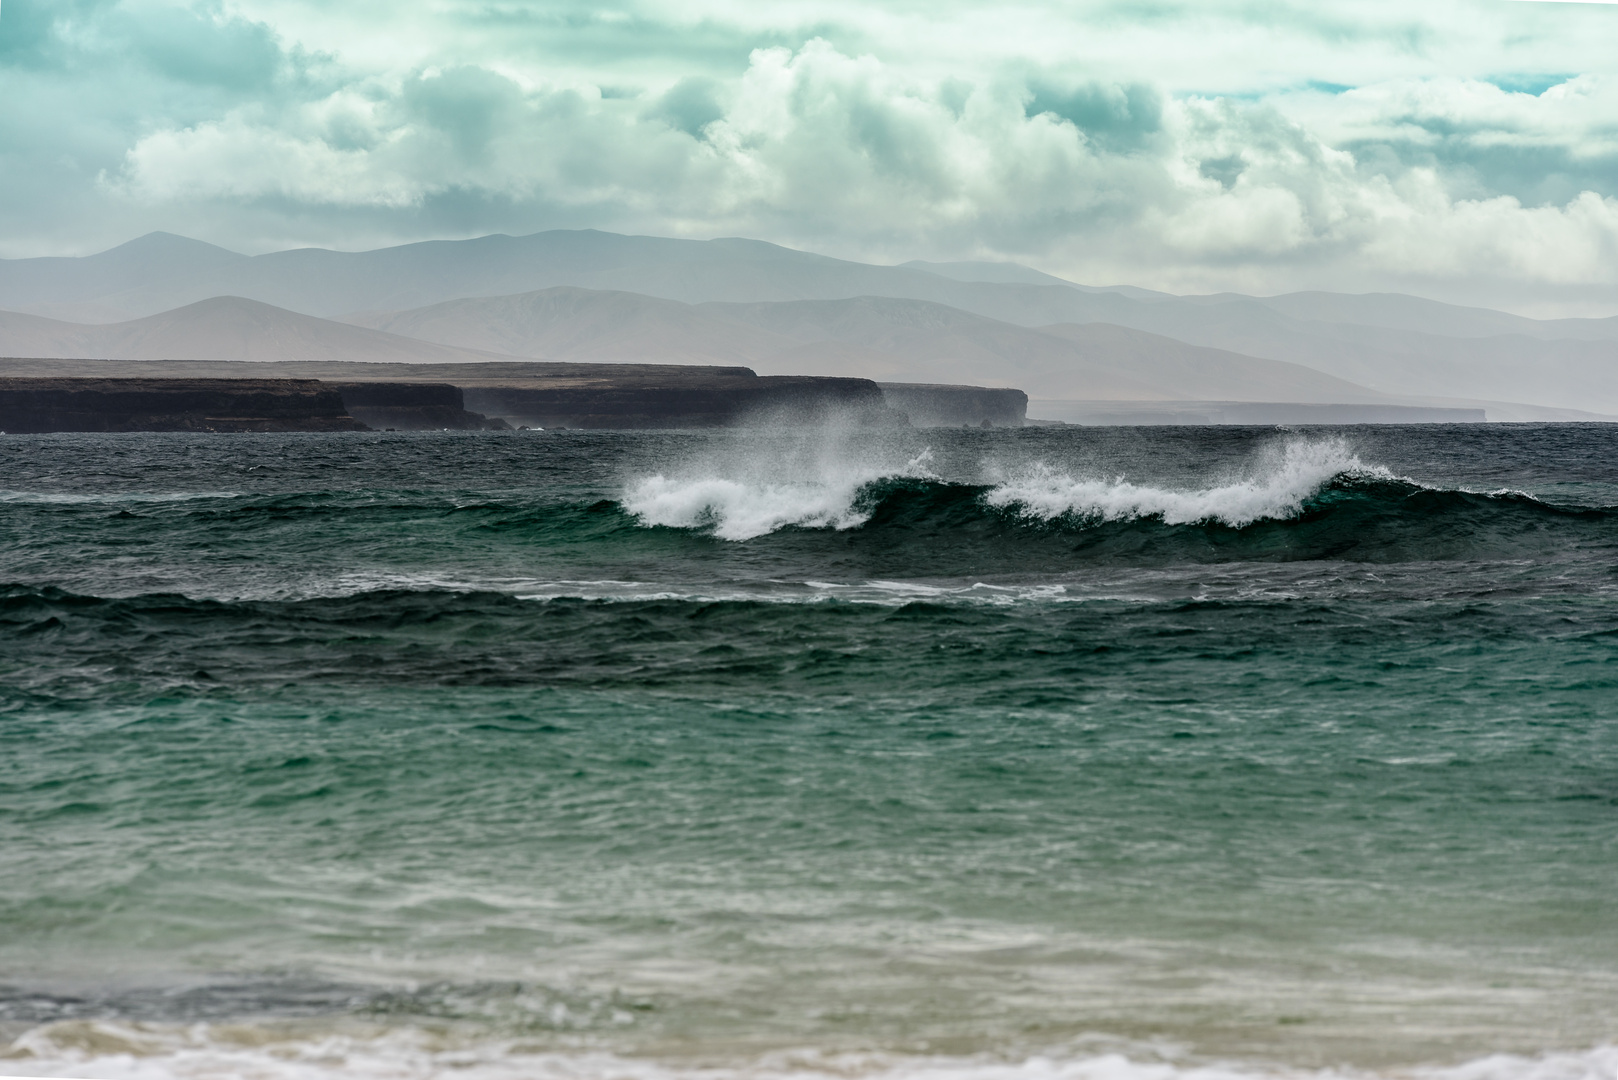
1276,490
741,509
1302,500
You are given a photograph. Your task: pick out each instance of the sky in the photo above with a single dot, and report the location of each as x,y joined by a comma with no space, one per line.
1461,149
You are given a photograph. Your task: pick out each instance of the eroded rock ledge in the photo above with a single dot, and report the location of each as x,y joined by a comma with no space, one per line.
115,395
29,405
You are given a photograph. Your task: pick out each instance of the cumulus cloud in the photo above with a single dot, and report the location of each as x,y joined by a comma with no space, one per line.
857,131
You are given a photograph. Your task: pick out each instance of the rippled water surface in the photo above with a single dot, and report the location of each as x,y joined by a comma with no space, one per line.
1092,754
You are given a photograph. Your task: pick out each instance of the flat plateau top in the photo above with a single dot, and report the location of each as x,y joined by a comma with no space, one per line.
123,383
355,371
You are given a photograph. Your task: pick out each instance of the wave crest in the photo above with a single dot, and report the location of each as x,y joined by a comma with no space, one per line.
743,509
1277,489
848,497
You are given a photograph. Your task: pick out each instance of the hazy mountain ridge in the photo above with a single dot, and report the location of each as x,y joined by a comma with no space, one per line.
1004,273
1398,311
76,289
325,283
1383,343
567,323
910,340
160,272
223,328
902,340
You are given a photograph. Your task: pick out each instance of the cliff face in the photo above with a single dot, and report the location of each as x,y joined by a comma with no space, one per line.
934,405
460,397
412,406
189,404
658,401
69,404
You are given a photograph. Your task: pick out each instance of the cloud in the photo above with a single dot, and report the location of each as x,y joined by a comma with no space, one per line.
1541,148
812,140
690,105
1110,116
1103,140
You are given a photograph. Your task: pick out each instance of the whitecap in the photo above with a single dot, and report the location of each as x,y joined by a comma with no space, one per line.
1276,489
741,508
740,511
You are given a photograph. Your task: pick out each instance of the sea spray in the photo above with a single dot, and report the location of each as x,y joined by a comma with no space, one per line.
762,480
1276,488
769,483
740,511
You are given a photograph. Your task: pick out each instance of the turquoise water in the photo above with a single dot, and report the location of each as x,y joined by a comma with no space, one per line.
1097,754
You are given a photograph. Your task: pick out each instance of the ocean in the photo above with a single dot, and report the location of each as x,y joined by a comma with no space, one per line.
811,754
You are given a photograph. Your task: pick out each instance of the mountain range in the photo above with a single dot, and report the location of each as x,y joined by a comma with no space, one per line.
223,328
586,295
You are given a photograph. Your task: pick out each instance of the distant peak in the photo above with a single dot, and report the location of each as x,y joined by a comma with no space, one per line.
167,243
231,302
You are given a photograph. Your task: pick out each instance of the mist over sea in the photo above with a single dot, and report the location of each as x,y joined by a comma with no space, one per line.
1039,754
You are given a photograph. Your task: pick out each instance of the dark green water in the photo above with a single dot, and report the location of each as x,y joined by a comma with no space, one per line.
1077,754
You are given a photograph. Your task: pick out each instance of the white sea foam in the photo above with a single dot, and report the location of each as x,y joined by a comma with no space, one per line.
112,1051
744,496
1276,488
741,511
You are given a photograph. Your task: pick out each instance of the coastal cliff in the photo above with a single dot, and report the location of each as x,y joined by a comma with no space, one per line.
938,405
31,405
412,406
657,400
337,395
